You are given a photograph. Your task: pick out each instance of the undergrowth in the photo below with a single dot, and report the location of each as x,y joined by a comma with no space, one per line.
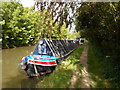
60,78
103,72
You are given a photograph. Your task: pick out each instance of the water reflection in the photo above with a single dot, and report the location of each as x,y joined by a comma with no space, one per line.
29,82
12,77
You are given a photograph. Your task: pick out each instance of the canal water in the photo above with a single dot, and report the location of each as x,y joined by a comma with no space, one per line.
12,76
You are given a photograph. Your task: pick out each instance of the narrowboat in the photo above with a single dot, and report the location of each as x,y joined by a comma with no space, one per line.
47,54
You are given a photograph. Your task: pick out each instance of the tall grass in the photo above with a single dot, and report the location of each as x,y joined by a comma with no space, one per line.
60,78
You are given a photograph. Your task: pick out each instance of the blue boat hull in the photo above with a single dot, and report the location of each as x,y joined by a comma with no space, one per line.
46,56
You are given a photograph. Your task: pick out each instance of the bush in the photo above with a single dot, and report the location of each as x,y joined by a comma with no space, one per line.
23,26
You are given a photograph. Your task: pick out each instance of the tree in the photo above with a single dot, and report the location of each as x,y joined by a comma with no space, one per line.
23,26
60,12
99,22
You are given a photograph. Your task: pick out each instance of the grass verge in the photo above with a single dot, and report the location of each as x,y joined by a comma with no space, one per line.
60,78
96,69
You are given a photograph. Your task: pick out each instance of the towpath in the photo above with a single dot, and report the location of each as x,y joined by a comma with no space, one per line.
85,76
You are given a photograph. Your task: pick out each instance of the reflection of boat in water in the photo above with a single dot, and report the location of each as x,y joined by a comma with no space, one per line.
47,54
29,83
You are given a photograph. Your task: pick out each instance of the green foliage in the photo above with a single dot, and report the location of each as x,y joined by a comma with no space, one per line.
96,69
99,23
73,35
61,77
103,72
24,26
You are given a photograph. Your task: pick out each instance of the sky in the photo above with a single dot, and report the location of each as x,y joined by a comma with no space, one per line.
27,3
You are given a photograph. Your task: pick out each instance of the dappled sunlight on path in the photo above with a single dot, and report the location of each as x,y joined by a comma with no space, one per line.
74,78
85,75
84,83
85,78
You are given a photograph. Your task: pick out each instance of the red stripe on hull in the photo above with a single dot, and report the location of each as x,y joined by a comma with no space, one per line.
43,63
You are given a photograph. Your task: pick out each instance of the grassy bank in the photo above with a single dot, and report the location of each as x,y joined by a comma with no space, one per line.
60,78
96,68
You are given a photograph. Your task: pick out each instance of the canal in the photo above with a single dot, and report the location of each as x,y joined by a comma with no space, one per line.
12,76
